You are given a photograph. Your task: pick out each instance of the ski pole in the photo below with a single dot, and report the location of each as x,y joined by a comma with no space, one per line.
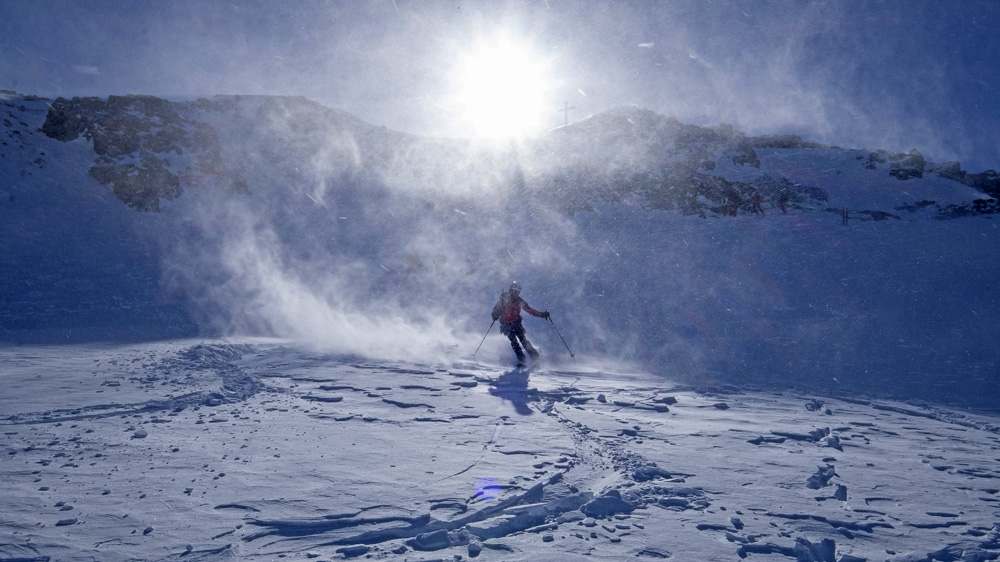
571,354
484,338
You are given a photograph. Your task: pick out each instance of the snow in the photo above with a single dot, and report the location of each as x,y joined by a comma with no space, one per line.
782,387
258,449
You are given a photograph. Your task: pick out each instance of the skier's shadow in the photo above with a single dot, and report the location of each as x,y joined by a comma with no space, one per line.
513,386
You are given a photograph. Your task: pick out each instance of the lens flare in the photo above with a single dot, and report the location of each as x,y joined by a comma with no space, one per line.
487,489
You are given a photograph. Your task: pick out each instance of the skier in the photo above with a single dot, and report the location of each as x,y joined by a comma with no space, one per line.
508,311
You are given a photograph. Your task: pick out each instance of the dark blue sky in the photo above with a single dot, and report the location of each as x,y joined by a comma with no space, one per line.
872,74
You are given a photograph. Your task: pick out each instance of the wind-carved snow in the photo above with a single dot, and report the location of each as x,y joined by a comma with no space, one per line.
259,450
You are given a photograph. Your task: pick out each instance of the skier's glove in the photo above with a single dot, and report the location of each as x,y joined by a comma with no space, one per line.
545,315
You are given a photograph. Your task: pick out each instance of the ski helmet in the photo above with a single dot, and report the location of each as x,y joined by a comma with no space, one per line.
515,287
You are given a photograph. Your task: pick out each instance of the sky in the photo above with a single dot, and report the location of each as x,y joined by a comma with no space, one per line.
858,74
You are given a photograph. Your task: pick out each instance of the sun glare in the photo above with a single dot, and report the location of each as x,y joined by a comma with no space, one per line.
502,89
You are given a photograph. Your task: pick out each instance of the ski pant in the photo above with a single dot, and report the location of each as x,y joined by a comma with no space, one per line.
515,332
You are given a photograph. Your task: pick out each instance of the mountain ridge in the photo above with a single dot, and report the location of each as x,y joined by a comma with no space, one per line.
610,156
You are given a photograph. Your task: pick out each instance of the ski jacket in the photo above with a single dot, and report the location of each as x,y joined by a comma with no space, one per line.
508,308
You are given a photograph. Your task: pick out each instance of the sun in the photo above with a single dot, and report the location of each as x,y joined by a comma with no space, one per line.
502,89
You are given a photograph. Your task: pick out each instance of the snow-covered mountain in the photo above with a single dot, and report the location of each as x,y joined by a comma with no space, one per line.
138,217
149,149
361,429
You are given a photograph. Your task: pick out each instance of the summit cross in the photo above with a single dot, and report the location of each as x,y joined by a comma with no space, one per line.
565,112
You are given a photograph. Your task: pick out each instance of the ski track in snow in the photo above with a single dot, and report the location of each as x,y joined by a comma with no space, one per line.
256,450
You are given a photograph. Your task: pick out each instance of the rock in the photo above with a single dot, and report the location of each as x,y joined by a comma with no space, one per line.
906,166
474,549
67,522
139,187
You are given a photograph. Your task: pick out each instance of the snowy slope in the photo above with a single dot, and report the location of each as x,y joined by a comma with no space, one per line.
258,450
74,259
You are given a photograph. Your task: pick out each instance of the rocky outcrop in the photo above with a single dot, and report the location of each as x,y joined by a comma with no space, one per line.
134,138
988,182
138,186
783,141
906,166
875,158
903,166
113,124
